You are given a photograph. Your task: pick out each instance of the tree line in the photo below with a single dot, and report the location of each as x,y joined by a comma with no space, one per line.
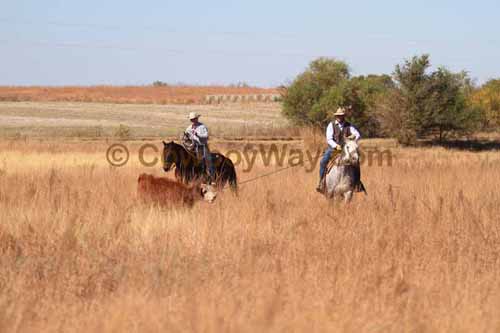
411,104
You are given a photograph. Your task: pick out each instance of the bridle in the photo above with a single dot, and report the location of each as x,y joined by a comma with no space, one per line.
345,157
168,159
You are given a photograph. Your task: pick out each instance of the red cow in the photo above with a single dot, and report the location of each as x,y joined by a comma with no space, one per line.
167,192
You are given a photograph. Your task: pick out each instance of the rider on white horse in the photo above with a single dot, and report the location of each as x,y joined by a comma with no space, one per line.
336,133
198,133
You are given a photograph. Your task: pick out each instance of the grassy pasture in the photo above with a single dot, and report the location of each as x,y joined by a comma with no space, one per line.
78,253
100,120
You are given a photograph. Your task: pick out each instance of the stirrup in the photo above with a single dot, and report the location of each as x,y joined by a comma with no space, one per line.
321,186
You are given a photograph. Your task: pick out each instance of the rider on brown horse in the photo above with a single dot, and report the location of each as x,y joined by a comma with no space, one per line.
198,134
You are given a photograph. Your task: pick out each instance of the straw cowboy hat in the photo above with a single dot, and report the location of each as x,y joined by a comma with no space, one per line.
193,115
340,112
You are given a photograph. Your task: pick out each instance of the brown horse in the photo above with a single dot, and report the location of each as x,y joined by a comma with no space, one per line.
188,168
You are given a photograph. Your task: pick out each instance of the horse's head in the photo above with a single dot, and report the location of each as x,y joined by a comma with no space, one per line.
170,155
350,153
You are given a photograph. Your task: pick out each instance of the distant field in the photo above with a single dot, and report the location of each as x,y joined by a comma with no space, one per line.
110,94
91,120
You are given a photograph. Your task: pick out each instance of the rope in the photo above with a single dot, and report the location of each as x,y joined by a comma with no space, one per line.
267,175
275,172
261,176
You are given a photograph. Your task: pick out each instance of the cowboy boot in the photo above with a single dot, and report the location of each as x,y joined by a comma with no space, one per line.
358,187
321,186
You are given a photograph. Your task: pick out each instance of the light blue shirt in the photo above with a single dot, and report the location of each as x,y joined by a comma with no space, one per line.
201,132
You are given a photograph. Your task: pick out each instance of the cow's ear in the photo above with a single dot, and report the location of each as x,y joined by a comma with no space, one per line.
203,189
164,143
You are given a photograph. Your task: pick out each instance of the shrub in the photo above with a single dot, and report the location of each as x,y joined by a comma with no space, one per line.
486,100
160,84
123,132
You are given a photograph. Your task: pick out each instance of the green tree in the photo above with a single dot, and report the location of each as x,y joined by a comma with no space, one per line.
308,99
373,91
487,99
450,111
427,104
326,85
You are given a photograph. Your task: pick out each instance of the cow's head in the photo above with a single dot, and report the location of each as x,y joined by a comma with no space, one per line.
144,181
208,193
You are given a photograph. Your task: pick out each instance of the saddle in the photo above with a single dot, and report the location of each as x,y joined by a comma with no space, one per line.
197,154
190,146
334,161
331,163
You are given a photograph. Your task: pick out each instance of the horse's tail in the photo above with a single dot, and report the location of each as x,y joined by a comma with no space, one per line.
233,179
230,174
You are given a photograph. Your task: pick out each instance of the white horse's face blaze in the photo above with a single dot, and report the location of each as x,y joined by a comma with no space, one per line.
351,154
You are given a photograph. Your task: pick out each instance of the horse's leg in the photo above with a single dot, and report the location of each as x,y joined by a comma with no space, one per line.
185,175
330,194
348,196
178,174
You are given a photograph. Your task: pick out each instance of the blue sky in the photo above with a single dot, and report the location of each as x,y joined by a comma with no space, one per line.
265,43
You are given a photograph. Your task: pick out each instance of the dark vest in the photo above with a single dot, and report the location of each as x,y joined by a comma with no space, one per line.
340,135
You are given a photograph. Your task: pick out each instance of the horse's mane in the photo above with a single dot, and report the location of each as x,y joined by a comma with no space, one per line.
342,155
181,146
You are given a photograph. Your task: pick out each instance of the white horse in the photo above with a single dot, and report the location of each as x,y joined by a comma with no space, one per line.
341,179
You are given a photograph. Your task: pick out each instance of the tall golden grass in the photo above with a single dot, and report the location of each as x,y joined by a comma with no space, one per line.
126,94
78,253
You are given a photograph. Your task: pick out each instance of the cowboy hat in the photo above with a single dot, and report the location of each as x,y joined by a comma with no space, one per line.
340,112
193,115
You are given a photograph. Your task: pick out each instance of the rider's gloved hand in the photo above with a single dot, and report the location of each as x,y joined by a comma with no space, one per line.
195,137
338,147
352,137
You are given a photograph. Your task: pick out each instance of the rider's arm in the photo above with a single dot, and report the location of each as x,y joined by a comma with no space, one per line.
202,132
355,133
329,136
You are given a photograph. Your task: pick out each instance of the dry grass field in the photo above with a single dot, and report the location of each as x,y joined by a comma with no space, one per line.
130,95
100,120
78,253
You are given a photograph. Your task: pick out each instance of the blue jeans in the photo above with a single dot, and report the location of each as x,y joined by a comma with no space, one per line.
208,160
324,161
